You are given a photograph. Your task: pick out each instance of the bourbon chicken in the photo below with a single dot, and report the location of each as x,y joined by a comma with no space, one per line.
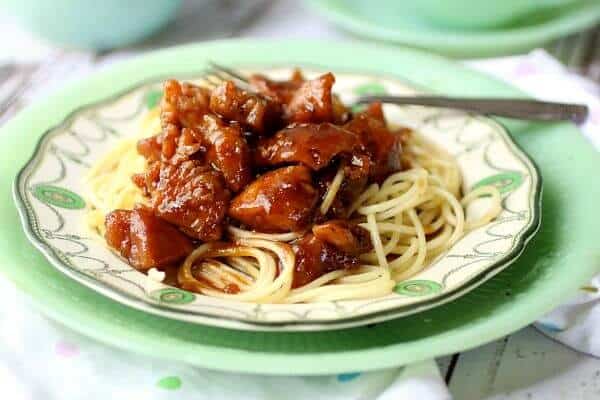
260,158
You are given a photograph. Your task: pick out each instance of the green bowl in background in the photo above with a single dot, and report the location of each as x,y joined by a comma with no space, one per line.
92,24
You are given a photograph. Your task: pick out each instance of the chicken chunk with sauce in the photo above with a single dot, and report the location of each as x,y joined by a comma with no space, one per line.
254,112
315,257
282,200
313,145
193,197
144,239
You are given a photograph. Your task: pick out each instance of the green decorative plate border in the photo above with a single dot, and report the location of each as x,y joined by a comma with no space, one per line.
562,257
223,313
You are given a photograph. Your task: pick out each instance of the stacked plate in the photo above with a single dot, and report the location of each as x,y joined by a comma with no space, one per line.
475,293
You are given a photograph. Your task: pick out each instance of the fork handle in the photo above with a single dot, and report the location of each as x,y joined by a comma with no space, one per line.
512,108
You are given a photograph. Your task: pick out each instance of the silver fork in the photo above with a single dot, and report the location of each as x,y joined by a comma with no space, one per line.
511,108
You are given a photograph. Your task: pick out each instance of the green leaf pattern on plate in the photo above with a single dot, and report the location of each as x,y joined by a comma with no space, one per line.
418,288
59,197
505,181
173,296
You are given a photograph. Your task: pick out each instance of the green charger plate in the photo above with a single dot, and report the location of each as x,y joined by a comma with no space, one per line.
563,256
367,19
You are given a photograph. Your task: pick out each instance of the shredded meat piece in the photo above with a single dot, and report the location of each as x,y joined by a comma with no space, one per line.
228,151
183,104
254,112
150,148
383,146
282,200
281,91
343,235
302,100
148,179
312,101
193,197
310,144
183,107
144,239
341,113
315,257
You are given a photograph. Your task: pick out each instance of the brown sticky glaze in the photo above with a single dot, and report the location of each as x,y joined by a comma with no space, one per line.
144,239
150,148
254,112
183,104
193,197
281,91
282,200
228,151
314,145
118,231
277,148
315,257
312,101
344,235
383,146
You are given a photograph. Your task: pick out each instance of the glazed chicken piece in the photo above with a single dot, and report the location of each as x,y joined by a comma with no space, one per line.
281,91
150,148
315,257
308,97
282,200
193,197
383,146
144,239
344,235
148,180
227,151
313,145
254,112
183,104
312,101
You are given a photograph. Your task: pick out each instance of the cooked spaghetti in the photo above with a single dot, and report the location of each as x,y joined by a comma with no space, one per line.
278,194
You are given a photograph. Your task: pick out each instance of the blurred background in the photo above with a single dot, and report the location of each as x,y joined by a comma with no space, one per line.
46,43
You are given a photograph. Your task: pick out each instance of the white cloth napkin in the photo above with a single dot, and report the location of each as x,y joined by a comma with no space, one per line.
42,360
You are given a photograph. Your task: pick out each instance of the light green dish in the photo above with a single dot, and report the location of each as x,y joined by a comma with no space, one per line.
363,18
49,195
563,256
92,24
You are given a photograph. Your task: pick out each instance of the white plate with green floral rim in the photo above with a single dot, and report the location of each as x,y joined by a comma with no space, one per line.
47,192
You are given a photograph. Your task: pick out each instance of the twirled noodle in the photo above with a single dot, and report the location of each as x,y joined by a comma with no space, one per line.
239,233
413,217
108,183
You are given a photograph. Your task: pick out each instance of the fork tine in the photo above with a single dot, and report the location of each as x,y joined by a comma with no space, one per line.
227,71
204,81
214,79
218,76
